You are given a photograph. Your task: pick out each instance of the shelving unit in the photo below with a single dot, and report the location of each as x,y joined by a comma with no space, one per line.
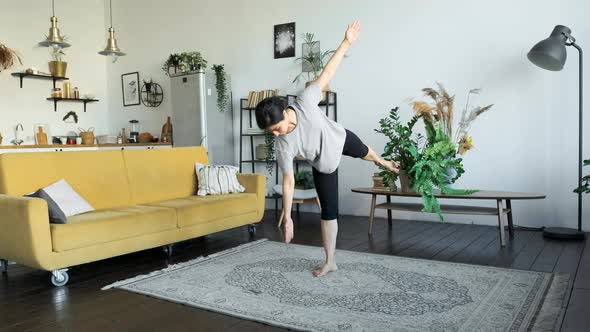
78,100
37,76
55,100
330,106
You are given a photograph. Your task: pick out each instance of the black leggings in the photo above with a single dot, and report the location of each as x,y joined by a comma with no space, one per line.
326,185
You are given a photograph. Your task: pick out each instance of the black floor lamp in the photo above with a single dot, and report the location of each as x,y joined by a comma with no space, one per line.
551,54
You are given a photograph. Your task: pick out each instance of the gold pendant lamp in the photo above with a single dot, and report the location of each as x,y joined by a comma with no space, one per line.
112,49
54,38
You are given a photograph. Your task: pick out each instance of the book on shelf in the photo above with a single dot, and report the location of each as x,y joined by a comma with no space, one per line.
254,130
254,97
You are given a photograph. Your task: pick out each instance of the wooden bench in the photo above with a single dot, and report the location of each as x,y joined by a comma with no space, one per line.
498,196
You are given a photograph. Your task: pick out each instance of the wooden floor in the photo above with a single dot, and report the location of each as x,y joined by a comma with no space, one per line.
29,303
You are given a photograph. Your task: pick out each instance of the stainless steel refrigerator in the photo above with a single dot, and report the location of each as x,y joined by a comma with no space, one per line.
197,119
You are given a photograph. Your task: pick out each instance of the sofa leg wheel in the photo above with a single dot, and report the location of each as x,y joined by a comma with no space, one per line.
252,230
60,277
3,266
168,249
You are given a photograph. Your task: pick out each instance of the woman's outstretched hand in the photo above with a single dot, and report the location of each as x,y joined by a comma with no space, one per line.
288,231
352,32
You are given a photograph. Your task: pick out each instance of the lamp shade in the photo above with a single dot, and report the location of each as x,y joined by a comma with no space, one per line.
550,53
111,48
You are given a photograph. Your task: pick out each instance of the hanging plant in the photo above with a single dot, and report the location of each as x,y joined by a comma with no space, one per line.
269,140
8,57
221,86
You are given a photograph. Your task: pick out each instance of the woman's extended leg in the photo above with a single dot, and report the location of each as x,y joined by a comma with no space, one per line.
354,147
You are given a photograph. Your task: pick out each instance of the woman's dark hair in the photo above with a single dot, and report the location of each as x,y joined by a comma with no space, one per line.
270,111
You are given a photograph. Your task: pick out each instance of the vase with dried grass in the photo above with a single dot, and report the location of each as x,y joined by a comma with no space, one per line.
440,109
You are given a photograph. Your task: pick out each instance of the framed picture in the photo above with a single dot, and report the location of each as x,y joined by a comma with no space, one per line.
284,40
306,50
130,86
41,134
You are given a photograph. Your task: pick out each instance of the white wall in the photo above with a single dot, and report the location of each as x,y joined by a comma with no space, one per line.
23,25
527,143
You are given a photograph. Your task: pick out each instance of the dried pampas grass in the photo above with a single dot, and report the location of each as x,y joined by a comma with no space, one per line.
8,57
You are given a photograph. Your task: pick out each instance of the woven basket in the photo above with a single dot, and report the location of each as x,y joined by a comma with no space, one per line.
87,136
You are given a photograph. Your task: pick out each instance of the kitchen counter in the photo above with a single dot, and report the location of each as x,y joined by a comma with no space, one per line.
65,146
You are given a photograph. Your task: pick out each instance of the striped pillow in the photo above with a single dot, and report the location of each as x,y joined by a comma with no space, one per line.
217,180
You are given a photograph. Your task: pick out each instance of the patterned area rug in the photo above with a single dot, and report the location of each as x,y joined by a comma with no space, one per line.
271,282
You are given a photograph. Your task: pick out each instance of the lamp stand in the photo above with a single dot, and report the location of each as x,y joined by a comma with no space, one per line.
562,232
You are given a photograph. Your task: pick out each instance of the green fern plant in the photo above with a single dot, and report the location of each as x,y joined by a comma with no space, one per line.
424,158
430,167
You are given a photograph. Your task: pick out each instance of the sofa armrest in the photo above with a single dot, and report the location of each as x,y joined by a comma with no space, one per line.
25,236
255,183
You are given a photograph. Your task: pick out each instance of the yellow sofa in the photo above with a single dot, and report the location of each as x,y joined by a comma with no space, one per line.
143,199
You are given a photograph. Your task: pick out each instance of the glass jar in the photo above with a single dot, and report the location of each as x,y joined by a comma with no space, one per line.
56,93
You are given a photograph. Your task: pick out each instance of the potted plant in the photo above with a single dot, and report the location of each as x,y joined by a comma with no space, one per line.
8,57
424,160
57,67
173,61
304,180
192,61
221,86
314,59
441,112
400,137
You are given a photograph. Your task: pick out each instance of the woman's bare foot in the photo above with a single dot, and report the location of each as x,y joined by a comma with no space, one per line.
390,165
325,269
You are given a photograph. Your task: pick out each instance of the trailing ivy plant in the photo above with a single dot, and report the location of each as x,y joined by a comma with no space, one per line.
221,86
269,140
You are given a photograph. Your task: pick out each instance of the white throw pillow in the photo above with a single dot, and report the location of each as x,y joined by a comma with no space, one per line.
62,201
217,180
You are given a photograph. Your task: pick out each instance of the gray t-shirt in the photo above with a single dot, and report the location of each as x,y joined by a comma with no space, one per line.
316,138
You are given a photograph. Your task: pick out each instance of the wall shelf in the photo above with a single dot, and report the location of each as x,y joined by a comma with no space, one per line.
38,76
78,100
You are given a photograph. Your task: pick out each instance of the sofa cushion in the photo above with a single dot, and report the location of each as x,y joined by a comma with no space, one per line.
193,210
217,180
62,201
108,225
162,174
98,176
